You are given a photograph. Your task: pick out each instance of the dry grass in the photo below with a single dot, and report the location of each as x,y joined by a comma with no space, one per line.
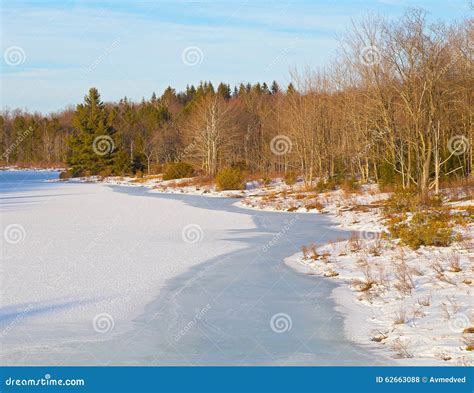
310,252
330,273
454,262
404,277
379,337
418,312
313,252
383,278
375,247
458,188
400,315
325,256
314,205
304,250
443,356
401,348
425,301
450,308
145,178
355,243
468,342
260,176
367,283
440,272
198,181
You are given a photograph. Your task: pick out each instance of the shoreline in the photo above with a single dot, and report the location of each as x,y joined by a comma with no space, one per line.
359,322
342,304
14,168
214,262
356,314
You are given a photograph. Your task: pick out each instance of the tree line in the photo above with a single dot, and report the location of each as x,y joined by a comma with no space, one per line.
395,106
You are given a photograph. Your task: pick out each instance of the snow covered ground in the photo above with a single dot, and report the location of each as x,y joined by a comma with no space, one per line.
413,304
80,261
410,302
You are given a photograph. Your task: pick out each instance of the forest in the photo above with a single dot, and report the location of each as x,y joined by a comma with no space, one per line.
394,107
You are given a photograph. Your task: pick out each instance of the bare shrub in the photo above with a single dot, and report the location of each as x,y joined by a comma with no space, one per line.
325,256
468,341
418,312
375,247
443,356
314,252
378,336
438,268
453,262
404,277
425,301
304,250
331,273
383,279
367,283
355,243
440,273
401,348
400,315
450,308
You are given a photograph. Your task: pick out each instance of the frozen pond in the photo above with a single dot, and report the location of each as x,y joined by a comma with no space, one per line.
246,307
222,297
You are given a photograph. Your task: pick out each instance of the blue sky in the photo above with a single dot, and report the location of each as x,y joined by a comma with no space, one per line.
53,51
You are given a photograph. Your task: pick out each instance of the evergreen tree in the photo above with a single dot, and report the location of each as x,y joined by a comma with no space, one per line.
224,90
275,89
92,147
257,88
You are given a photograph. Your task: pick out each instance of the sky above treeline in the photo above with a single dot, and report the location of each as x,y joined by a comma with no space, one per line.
54,51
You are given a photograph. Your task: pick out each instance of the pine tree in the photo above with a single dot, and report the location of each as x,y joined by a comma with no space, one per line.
92,147
275,89
224,90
